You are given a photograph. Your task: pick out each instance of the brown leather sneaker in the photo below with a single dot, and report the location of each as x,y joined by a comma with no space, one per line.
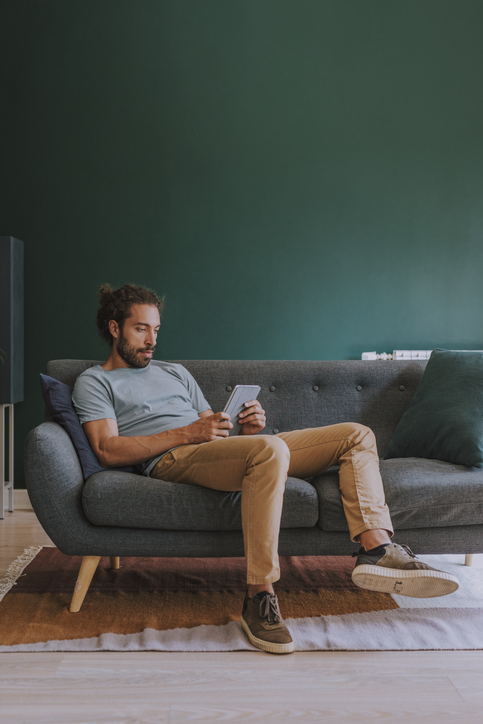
395,569
263,624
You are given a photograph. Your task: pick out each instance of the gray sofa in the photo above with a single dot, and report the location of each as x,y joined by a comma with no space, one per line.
436,507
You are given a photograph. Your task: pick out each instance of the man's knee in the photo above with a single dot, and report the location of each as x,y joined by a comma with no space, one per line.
361,435
272,448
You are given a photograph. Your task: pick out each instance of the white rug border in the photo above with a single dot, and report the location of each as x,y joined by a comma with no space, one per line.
17,567
395,630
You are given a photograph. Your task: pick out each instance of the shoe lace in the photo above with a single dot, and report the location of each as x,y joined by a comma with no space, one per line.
407,549
269,610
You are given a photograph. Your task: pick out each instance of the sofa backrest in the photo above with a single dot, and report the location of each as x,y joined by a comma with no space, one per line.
299,394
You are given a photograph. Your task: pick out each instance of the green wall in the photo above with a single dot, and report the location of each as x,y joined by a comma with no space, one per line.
301,178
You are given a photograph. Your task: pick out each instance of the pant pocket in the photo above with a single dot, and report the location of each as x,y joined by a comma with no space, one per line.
162,468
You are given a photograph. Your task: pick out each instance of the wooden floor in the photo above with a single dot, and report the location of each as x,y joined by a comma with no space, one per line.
150,687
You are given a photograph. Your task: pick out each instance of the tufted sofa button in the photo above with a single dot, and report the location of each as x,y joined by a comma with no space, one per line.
402,388
275,430
228,388
358,388
315,388
271,388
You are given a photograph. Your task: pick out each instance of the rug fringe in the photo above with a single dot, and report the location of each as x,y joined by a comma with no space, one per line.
16,569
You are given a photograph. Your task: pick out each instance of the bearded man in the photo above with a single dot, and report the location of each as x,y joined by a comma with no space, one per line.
152,414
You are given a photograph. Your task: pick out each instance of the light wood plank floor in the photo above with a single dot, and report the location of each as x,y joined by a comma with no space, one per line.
153,688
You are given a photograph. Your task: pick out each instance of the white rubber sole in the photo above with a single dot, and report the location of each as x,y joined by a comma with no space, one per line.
417,584
266,646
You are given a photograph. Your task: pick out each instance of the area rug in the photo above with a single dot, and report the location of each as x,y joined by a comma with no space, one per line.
194,604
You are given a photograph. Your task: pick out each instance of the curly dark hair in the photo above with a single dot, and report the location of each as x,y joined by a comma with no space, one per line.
116,304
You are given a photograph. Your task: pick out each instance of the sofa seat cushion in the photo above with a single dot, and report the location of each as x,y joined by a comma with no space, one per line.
420,494
126,500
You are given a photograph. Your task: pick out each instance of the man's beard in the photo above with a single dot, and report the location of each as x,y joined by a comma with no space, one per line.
130,354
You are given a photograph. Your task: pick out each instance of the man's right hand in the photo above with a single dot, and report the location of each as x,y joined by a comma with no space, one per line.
209,427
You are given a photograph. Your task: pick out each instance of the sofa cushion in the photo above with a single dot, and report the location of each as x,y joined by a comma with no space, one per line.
133,501
58,400
420,494
444,419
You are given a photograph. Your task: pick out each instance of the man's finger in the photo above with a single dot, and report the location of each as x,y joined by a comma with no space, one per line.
225,420
249,410
251,419
252,411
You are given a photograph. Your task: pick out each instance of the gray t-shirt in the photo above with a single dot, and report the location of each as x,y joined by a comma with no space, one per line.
159,397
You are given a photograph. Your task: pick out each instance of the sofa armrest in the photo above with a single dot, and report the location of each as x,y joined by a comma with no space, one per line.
54,480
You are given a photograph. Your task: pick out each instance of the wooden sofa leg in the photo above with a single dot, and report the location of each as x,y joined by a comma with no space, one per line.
87,570
469,559
115,562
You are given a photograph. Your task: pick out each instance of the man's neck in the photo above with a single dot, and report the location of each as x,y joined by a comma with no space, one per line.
115,362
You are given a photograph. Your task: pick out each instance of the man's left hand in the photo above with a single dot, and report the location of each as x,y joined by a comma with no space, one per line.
252,419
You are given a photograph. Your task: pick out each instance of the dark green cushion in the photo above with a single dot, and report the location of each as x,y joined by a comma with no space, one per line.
444,420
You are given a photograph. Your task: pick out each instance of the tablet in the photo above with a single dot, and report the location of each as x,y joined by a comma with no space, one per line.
236,403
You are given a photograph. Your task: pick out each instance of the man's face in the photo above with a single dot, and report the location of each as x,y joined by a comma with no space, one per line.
136,341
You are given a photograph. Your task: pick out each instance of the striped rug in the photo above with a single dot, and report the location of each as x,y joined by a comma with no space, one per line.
194,604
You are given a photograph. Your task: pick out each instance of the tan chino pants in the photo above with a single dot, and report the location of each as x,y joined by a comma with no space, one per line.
258,465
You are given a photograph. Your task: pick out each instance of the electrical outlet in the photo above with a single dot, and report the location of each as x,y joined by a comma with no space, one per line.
404,354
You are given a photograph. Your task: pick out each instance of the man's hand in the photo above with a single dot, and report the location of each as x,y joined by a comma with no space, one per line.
252,419
209,427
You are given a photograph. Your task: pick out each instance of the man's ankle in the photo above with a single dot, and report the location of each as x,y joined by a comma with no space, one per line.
253,589
372,538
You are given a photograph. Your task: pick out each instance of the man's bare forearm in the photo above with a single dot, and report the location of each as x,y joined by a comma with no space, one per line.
113,450
119,450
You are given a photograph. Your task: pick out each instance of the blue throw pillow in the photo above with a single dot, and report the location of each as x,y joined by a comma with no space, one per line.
58,399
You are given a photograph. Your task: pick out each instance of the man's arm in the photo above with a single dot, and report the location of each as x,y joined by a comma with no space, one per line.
113,450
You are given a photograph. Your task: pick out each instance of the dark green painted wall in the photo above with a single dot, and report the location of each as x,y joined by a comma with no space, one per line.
301,178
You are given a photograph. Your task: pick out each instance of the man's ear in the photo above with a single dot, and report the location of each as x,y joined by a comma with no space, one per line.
114,328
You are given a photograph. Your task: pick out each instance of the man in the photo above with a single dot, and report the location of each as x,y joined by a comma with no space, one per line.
154,415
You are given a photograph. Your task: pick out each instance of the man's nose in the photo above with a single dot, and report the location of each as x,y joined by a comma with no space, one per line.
150,339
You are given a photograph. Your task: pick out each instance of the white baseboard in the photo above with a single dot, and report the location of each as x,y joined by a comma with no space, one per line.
21,500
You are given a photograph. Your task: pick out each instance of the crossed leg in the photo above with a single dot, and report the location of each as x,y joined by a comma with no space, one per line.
353,447
259,465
